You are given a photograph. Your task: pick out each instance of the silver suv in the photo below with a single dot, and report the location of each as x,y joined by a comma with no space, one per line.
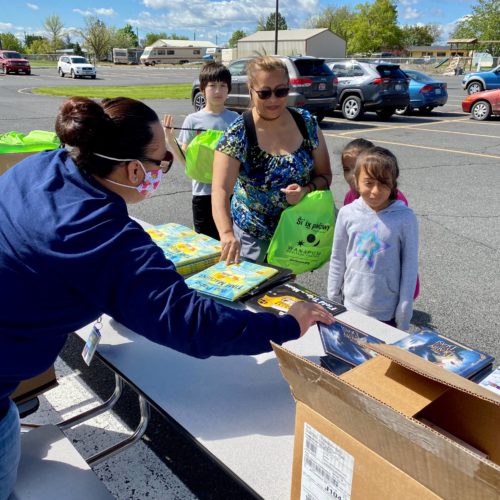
371,86
76,67
313,86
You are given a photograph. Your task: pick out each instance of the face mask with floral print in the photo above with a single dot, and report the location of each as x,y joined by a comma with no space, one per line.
150,182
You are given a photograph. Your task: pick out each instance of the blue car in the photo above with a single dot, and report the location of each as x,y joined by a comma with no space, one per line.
425,93
482,80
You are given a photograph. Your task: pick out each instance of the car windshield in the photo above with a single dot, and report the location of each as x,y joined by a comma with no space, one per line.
12,55
391,72
79,60
308,67
419,77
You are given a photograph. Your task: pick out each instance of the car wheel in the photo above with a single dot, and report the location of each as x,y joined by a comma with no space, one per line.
403,111
28,72
61,73
481,110
474,87
199,101
73,74
385,113
426,110
93,77
352,107
153,63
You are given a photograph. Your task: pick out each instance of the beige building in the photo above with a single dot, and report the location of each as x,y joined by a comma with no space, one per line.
306,42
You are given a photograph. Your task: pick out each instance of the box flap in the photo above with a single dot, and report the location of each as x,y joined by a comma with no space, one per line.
434,460
431,371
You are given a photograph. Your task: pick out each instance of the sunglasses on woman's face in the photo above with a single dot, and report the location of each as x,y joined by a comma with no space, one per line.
279,92
164,164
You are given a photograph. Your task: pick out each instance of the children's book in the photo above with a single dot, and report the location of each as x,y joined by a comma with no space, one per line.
189,251
279,299
230,282
445,352
492,381
335,365
346,343
282,276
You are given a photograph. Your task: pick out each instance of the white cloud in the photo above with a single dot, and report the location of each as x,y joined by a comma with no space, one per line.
6,26
32,6
411,13
94,12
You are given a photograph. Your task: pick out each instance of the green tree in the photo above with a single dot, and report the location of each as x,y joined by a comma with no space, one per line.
10,42
97,38
154,37
55,27
483,24
269,23
175,36
29,39
129,37
42,46
237,35
425,34
336,19
374,27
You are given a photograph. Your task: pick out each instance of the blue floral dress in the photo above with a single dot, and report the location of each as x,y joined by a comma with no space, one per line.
257,202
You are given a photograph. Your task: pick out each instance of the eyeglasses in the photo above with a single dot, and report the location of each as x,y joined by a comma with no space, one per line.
279,92
164,164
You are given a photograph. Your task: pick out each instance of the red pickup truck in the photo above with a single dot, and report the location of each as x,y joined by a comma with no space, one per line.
12,62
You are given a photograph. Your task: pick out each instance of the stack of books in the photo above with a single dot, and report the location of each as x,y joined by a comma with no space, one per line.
189,251
230,282
346,347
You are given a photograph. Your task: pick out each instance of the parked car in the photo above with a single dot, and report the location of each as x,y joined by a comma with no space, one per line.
13,62
425,93
370,86
75,66
481,105
313,86
482,80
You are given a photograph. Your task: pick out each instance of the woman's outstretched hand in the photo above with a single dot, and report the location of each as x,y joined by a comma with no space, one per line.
307,313
294,193
230,248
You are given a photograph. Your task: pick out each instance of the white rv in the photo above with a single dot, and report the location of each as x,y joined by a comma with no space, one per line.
177,52
120,56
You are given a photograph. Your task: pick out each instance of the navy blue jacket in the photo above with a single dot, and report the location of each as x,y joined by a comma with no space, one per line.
69,252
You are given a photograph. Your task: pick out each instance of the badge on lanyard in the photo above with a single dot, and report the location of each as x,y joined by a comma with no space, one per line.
92,342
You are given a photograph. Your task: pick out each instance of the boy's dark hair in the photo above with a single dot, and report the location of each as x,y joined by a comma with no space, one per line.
380,164
214,72
356,146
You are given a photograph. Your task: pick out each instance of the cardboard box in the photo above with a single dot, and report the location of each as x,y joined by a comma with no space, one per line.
30,388
8,160
361,435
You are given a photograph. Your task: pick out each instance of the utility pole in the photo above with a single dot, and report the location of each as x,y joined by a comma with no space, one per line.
276,28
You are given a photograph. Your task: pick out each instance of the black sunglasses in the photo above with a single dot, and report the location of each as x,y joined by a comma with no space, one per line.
267,93
164,164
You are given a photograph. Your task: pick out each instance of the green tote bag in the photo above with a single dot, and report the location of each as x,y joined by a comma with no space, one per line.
304,236
200,155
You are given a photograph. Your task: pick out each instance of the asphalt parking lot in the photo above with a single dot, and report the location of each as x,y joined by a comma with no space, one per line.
450,174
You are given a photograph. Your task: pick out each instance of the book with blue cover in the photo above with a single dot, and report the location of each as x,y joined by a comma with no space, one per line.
346,343
445,352
230,282
187,250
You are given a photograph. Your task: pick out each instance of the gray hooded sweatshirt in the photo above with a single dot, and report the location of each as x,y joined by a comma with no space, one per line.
374,263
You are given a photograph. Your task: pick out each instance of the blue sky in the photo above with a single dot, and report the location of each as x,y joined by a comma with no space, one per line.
213,20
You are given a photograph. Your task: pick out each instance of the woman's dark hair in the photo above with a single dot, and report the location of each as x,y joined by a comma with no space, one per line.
214,72
380,164
119,127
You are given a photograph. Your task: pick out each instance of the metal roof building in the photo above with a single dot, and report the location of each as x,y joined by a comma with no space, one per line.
319,42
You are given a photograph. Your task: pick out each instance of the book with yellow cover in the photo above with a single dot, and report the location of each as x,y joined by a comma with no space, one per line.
189,251
230,282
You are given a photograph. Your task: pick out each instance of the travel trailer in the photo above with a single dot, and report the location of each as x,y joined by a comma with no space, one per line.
177,52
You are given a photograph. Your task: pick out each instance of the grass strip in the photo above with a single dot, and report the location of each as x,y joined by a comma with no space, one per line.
174,91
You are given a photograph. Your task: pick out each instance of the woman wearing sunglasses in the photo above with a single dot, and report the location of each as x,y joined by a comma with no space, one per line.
69,252
267,160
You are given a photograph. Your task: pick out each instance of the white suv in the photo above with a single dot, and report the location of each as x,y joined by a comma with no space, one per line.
75,66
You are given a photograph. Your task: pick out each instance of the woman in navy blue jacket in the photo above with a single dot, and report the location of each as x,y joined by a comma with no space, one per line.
69,252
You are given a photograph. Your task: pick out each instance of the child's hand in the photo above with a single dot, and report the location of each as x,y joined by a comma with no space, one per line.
168,126
294,193
307,313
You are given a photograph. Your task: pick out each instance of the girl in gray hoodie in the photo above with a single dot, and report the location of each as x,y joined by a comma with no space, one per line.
374,263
